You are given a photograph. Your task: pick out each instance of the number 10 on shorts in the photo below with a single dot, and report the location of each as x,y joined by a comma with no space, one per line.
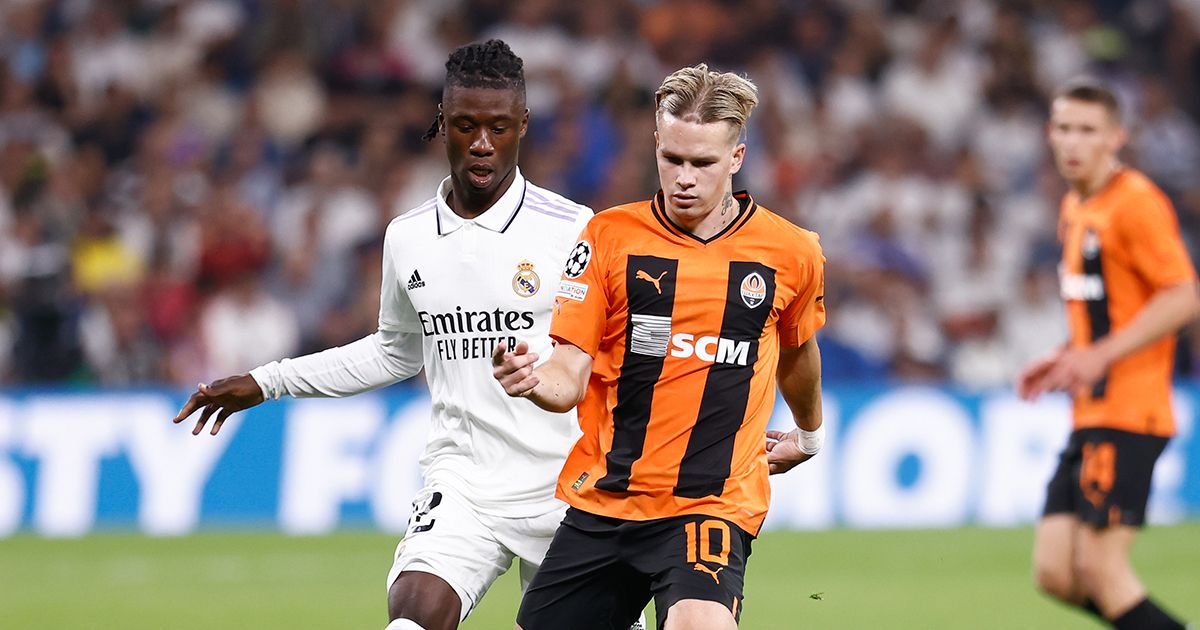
699,541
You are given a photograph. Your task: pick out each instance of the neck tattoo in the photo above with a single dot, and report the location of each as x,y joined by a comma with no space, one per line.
727,204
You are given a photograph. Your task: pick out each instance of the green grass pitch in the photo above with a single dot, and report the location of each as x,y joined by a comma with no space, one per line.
963,578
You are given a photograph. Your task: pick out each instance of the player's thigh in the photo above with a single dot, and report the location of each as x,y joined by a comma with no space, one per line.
696,614
1115,471
693,557
1054,554
582,583
1104,550
1062,491
529,538
448,538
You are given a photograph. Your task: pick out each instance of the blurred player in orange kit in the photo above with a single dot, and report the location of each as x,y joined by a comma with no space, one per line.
1129,286
676,318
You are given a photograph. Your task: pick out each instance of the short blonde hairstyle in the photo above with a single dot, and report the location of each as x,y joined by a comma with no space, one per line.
704,96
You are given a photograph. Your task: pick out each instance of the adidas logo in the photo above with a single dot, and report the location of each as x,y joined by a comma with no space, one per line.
415,281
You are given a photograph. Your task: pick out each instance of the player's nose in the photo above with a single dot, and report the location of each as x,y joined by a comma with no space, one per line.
686,178
482,144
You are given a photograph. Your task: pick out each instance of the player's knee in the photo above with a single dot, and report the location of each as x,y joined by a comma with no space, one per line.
696,614
424,600
1055,576
1055,581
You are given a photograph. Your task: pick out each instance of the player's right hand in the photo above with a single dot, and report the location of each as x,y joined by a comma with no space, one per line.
514,369
223,397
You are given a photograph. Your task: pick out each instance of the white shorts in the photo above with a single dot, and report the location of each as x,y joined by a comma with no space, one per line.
449,538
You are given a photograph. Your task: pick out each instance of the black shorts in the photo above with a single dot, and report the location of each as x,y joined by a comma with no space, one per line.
601,572
1103,477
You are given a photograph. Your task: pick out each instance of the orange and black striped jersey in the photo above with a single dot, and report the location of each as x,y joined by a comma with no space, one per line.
1120,246
685,335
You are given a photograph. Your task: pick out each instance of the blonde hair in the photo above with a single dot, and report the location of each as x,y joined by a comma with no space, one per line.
704,96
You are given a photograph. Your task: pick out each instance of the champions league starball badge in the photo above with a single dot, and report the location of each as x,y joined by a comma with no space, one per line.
578,261
526,281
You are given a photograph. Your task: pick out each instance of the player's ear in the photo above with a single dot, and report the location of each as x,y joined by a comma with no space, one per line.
1119,138
524,123
739,154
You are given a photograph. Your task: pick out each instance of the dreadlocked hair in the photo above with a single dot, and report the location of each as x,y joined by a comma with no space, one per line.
490,64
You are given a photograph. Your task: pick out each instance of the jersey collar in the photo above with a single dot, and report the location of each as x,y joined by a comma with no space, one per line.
745,201
497,218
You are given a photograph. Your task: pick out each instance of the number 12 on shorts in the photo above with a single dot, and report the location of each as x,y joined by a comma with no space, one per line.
421,508
699,541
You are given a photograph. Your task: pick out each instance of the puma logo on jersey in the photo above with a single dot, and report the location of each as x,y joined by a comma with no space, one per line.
701,567
642,275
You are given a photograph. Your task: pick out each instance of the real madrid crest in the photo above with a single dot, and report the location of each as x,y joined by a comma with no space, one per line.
526,281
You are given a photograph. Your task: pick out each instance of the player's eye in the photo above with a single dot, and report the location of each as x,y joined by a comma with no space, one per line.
673,160
702,163
499,130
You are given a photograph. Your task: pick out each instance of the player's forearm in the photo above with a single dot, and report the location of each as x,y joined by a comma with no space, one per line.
561,380
1167,311
372,362
558,390
800,383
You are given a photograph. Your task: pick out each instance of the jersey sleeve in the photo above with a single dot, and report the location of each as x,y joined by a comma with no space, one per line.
372,362
581,305
396,312
1150,235
806,312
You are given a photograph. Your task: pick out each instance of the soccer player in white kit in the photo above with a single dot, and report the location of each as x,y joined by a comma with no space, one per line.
476,265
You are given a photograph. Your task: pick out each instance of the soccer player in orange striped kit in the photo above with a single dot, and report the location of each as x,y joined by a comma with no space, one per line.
677,318
1129,286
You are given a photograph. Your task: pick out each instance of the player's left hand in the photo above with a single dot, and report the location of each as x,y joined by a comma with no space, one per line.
1072,370
783,451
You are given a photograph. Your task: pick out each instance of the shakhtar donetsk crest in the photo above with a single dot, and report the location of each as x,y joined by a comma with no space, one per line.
754,290
1091,244
526,283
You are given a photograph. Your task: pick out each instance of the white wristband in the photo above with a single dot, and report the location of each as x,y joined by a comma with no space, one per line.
811,441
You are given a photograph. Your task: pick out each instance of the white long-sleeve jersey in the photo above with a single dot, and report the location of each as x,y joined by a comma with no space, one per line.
454,288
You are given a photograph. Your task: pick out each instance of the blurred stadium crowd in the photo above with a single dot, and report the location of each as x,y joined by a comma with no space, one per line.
189,188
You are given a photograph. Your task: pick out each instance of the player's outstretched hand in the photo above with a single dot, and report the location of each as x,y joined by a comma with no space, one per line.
783,451
514,369
1068,370
1031,380
223,397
